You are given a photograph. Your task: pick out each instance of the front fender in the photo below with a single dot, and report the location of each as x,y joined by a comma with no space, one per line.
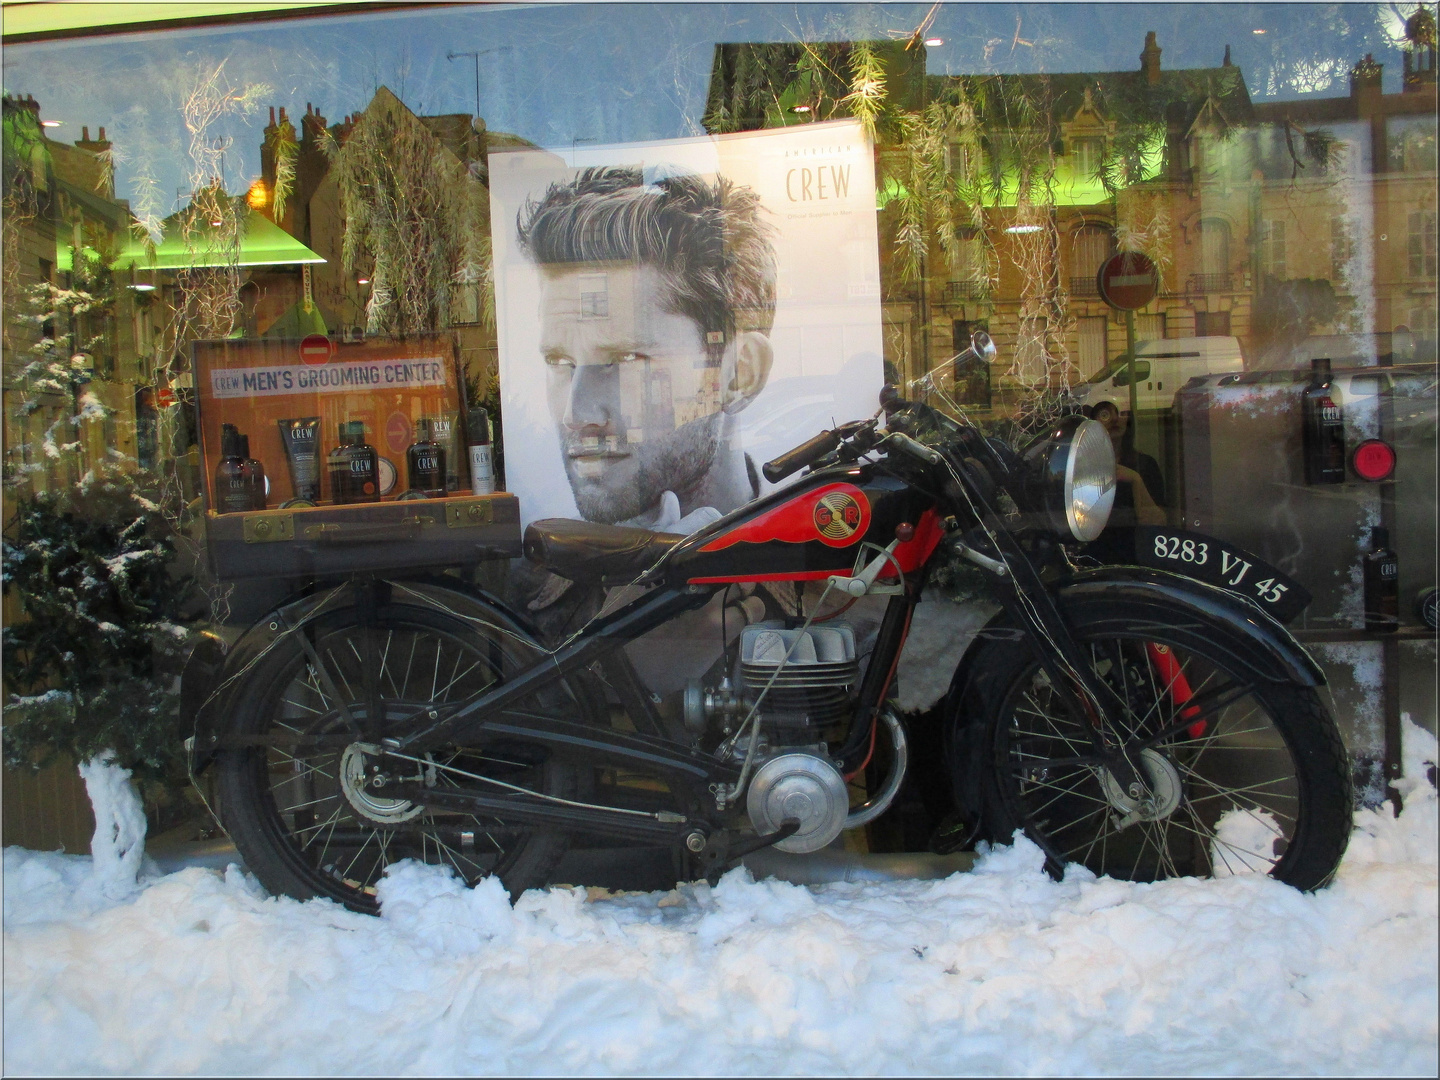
1270,650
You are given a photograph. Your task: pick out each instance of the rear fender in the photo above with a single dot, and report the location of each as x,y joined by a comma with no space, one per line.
214,675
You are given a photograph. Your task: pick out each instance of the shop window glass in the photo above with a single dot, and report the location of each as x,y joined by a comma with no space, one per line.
365,177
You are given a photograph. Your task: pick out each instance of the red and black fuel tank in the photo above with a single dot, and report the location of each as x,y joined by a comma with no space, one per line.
809,530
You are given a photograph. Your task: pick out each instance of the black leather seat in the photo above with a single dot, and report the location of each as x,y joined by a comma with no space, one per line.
587,551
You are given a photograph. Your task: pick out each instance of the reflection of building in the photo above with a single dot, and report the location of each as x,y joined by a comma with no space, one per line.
1368,227
291,275
313,213
60,201
1271,222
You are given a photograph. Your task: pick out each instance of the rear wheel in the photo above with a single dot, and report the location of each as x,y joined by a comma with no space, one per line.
304,817
1246,775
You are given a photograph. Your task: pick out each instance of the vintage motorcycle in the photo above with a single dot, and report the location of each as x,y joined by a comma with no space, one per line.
1137,721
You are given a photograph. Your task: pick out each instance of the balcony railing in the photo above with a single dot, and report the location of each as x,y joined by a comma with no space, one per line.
1210,283
1084,286
965,290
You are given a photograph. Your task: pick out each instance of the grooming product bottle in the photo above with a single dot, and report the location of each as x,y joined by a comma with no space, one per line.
254,475
1382,584
482,461
445,430
301,439
425,461
232,481
1324,429
354,466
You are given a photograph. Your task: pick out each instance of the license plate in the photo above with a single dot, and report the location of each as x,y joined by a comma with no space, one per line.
1217,563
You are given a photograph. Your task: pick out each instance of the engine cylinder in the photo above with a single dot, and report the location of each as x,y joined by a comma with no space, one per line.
810,673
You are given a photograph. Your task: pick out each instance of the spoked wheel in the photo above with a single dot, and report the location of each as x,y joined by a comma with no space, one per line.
307,818
1246,775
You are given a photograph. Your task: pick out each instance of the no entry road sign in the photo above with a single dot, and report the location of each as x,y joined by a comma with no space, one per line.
316,349
1128,281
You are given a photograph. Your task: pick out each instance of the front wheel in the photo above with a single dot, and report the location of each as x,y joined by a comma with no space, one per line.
1246,775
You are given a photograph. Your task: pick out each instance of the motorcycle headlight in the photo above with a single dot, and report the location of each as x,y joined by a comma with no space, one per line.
1071,476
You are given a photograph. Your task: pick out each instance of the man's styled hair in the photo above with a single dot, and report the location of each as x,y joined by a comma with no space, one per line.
707,240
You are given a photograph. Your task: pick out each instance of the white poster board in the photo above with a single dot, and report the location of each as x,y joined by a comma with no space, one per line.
606,368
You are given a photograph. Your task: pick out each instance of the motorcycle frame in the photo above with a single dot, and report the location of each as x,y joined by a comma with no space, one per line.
693,772
689,771
693,775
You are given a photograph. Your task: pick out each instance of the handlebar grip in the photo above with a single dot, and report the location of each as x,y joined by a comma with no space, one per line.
802,455
914,449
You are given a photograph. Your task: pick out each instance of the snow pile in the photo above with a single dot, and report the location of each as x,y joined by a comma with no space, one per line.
998,971
118,845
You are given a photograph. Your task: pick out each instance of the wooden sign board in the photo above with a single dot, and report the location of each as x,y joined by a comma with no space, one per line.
387,385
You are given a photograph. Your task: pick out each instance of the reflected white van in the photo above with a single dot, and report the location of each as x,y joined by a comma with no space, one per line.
1161,368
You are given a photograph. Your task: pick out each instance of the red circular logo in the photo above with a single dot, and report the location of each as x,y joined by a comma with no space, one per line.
1374,460
839,517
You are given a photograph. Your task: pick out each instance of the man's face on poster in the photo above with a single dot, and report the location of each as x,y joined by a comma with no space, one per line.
635,396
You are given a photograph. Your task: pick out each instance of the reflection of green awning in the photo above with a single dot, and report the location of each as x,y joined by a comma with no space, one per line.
1069,187
264,244
23,21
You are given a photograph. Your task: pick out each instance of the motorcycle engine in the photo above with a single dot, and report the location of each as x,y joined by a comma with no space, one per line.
804,681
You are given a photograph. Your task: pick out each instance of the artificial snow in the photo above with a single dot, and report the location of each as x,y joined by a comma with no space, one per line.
117,847
1000,970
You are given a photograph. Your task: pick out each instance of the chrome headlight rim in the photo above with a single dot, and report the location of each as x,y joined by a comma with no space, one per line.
1087,520
1073,491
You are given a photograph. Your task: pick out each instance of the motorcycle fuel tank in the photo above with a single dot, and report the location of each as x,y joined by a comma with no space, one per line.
810,530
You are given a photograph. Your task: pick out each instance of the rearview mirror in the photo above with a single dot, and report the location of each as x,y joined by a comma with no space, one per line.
983,346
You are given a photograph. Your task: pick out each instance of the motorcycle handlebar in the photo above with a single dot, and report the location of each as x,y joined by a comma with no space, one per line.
915,449
796,459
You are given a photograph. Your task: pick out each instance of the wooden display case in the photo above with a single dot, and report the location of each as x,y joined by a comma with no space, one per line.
261,387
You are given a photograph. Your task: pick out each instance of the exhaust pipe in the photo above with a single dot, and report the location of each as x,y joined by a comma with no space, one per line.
829,866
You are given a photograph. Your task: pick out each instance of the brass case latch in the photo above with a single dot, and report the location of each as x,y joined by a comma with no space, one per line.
267,528
464,515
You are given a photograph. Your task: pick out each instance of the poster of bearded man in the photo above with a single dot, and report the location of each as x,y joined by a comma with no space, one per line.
673,314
